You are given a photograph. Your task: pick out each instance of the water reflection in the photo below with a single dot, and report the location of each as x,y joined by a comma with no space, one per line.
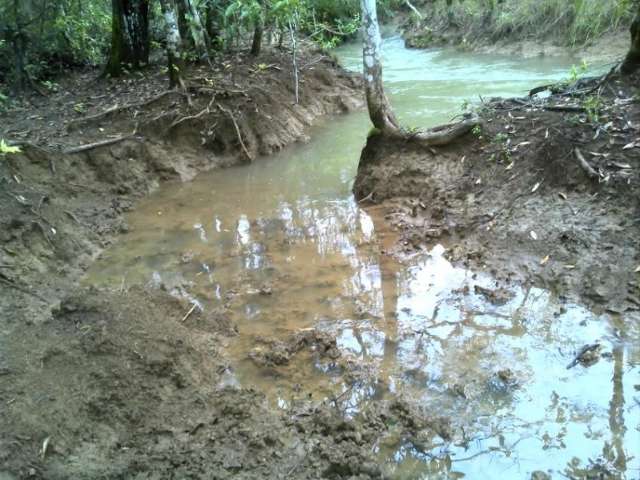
281,246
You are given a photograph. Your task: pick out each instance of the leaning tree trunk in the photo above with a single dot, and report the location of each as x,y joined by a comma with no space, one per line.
129,35
380,111
632,61
173,40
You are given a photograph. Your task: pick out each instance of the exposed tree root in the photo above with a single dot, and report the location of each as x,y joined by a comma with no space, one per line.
120,108
588,169
437,136
103,143
235,124
207,110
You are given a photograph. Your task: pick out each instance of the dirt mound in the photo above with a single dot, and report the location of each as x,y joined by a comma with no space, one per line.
546,192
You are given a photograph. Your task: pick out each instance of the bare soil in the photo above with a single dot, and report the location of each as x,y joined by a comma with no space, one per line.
513,198
133,383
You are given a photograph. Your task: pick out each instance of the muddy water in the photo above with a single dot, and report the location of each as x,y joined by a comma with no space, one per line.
281,246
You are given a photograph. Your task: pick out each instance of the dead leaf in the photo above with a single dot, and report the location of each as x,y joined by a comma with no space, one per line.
630,145
533,235
535,187
562,195
510,166
478,181
637,269
569,267
544,260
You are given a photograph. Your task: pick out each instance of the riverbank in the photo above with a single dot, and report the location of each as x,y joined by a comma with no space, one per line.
594,32
111,384
545,193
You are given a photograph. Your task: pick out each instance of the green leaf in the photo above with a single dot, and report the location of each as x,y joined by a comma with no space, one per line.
6,149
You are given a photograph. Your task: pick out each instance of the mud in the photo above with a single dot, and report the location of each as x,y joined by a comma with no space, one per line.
124,384
513,199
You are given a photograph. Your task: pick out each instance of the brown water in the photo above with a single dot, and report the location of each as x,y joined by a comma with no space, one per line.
282,246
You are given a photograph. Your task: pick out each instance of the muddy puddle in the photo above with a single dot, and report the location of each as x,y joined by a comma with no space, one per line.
283,250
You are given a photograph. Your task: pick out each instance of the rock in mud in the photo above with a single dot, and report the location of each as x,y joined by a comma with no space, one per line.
275,352
499,296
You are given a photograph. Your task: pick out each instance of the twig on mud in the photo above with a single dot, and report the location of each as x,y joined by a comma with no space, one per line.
591,173
103,143
7,266
235,124
368,198
6,280
73,217
193,307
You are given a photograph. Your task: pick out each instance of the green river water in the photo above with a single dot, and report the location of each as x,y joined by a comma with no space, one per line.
288,225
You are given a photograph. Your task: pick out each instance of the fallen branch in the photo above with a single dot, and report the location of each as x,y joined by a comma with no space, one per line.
103,143
7,281
588,169
184,319
413,9
235,124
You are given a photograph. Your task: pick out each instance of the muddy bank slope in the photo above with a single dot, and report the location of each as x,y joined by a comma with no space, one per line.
545,192
134,383
88,155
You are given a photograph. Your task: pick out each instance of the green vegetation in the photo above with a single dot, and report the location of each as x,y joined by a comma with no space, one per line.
6,149
40,39
569,22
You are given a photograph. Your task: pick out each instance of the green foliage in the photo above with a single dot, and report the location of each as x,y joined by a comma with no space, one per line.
593,106
49,35
577,71
7,149
573,22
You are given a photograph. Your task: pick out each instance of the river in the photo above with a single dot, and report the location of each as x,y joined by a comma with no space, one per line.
281,245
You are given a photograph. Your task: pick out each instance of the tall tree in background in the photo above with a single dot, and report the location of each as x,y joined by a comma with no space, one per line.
632,61
192,29
173,41
129,35
256,44
380,111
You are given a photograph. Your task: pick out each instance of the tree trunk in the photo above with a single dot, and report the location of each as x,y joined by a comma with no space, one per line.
129,35
173,39
191,28
632,61
380,111
256,45
212,25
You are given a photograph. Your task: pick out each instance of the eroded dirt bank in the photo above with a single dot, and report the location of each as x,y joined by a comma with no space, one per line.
125,384
545,193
